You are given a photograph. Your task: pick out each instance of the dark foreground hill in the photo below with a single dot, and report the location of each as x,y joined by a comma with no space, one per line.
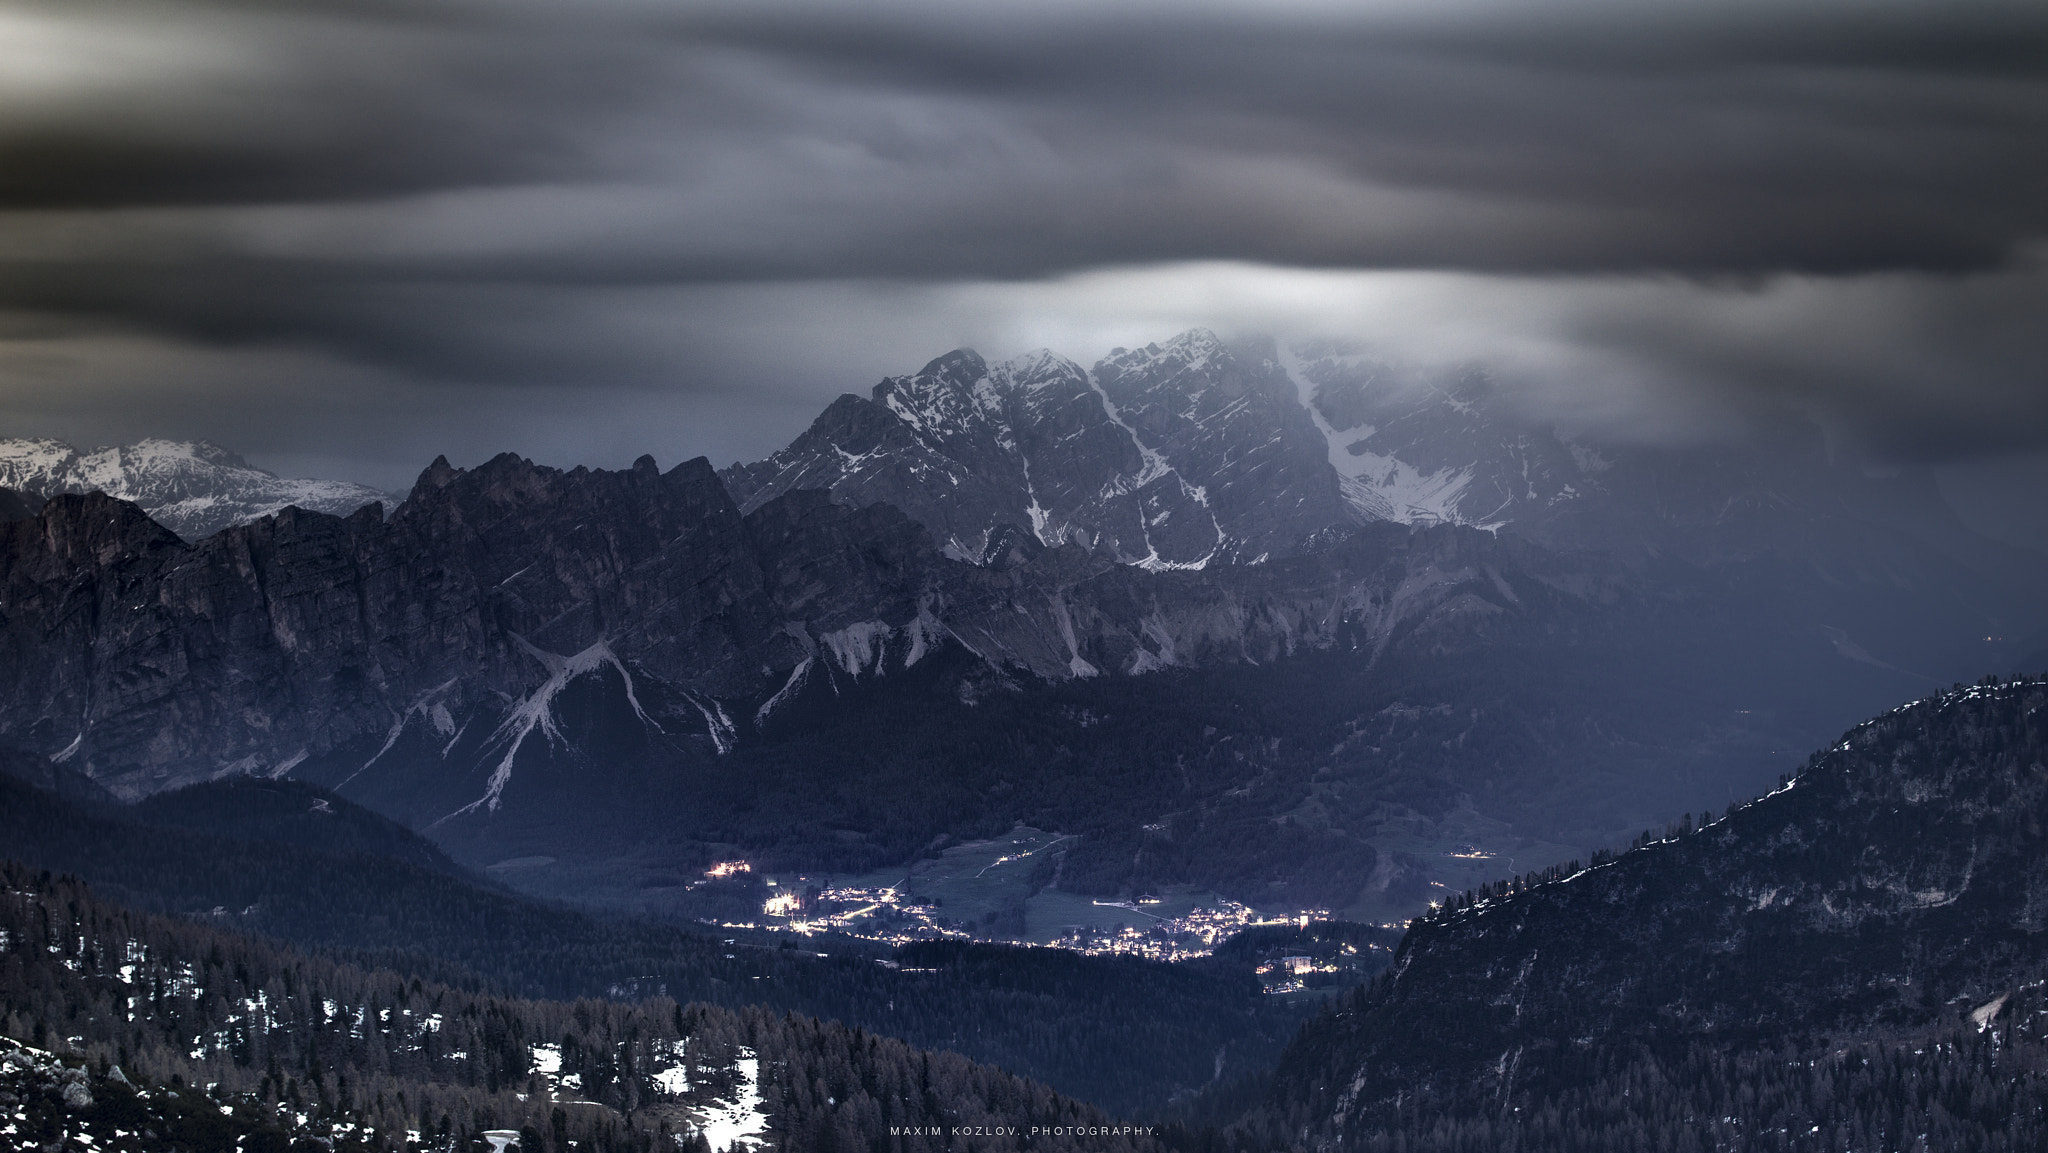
299,1052
1854,961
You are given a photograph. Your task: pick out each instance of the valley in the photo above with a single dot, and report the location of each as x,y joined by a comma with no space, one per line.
597,684
1005,890
1864,924
814,576
1099,772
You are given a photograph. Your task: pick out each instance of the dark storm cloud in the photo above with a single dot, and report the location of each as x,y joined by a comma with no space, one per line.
709,201
198,104
929,143
1740,138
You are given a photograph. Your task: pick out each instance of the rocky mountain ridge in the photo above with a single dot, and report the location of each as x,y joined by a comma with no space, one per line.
1176,455
148,662
1200,451
589,648
193,488
1893,884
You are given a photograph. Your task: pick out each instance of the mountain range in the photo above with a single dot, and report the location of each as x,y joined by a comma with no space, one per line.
1200,451
1167,457
1285,623
193,488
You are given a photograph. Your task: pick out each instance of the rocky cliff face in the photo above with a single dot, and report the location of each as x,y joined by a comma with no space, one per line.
1171,456
145,661
1897,881
1436,447
1226,421
1197,451
16,504
195,489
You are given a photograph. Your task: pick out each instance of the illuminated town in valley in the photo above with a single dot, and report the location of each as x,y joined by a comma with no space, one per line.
891,915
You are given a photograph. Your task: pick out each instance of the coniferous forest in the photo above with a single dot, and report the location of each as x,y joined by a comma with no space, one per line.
1852,962
1122,1033
225,1042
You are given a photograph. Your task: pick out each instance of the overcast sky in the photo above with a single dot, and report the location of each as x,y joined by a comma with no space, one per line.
344,237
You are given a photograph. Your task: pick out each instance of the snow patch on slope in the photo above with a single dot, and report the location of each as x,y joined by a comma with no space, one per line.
926,632
859,646
1411,495
1376,486
797,678
437,716
716,720
675,1079
536,712
1153,562
1155,464
1064,617
1155,469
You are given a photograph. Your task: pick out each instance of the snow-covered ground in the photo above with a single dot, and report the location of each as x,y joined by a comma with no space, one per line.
742,1122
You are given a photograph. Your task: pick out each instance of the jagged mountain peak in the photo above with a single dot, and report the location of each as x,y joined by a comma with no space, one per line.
194,488
1192,361
1194,346
509,476
1039,368
952,397
1200,449
943,392
92,528
962,366
1134,459
436,474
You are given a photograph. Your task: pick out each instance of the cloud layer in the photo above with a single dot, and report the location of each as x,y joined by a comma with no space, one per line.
351,233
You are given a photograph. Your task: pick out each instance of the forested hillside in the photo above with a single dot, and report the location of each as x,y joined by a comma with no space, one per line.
289,861
1954,1087
1855,961
285,1043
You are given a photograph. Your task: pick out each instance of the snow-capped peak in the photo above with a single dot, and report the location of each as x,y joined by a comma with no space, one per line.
1191,351
193,488
1039,368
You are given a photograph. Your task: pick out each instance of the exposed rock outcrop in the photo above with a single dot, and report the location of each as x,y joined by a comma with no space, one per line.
146,662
